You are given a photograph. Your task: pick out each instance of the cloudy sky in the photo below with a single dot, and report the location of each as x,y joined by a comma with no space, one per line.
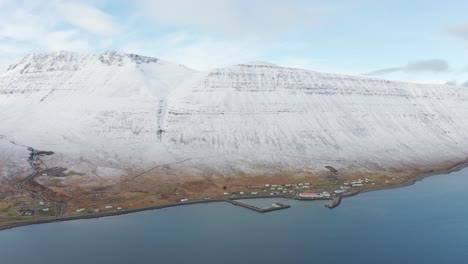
419,40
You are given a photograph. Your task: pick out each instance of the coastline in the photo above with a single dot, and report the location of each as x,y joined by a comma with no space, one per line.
335,202
410,182
131,210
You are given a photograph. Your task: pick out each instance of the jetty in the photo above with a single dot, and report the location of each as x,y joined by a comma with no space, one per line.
273,207
334,202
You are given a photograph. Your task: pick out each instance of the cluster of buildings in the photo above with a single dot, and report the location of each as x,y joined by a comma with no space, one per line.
273,189
277,189
315,195
32,210
27,212
358,182
107,207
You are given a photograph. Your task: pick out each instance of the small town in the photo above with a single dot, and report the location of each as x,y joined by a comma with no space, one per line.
298,191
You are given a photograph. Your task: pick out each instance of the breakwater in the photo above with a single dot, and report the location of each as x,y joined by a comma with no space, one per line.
273,207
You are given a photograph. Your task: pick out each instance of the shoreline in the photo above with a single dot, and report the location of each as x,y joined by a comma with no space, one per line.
335,202
132,210
410,182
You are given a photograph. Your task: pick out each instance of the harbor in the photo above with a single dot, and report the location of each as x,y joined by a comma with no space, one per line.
273,207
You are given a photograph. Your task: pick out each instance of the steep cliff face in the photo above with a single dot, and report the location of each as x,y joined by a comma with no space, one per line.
99,113
263,112
114,114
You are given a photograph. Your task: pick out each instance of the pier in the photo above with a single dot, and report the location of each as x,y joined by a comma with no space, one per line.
334,202
274,207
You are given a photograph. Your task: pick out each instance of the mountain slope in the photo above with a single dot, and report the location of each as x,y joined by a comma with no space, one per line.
290,116
97,112
112,115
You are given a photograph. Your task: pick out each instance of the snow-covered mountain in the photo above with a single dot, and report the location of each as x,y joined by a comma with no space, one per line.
114,114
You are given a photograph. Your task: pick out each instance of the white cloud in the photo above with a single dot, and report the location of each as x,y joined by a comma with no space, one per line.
260,18
432,66
5,2
65,40
38,26
300,63
460,31
88,18
22,32
11,49
199,52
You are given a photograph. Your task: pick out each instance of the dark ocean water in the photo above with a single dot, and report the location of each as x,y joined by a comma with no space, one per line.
424,223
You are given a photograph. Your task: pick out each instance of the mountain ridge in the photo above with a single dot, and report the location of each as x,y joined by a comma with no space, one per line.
126,113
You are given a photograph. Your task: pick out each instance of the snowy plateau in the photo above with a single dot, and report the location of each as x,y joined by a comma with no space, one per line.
114,115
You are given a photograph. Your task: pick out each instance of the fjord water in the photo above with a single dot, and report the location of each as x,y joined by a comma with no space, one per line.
423,223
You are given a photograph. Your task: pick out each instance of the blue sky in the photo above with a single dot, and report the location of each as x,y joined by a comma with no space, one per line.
420,41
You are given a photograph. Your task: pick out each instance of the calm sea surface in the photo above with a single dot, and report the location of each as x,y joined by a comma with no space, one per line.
423,223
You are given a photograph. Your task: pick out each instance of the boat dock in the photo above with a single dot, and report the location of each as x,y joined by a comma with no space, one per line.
334,202
273,207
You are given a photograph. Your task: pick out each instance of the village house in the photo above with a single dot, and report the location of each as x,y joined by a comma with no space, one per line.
27,212
311,195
